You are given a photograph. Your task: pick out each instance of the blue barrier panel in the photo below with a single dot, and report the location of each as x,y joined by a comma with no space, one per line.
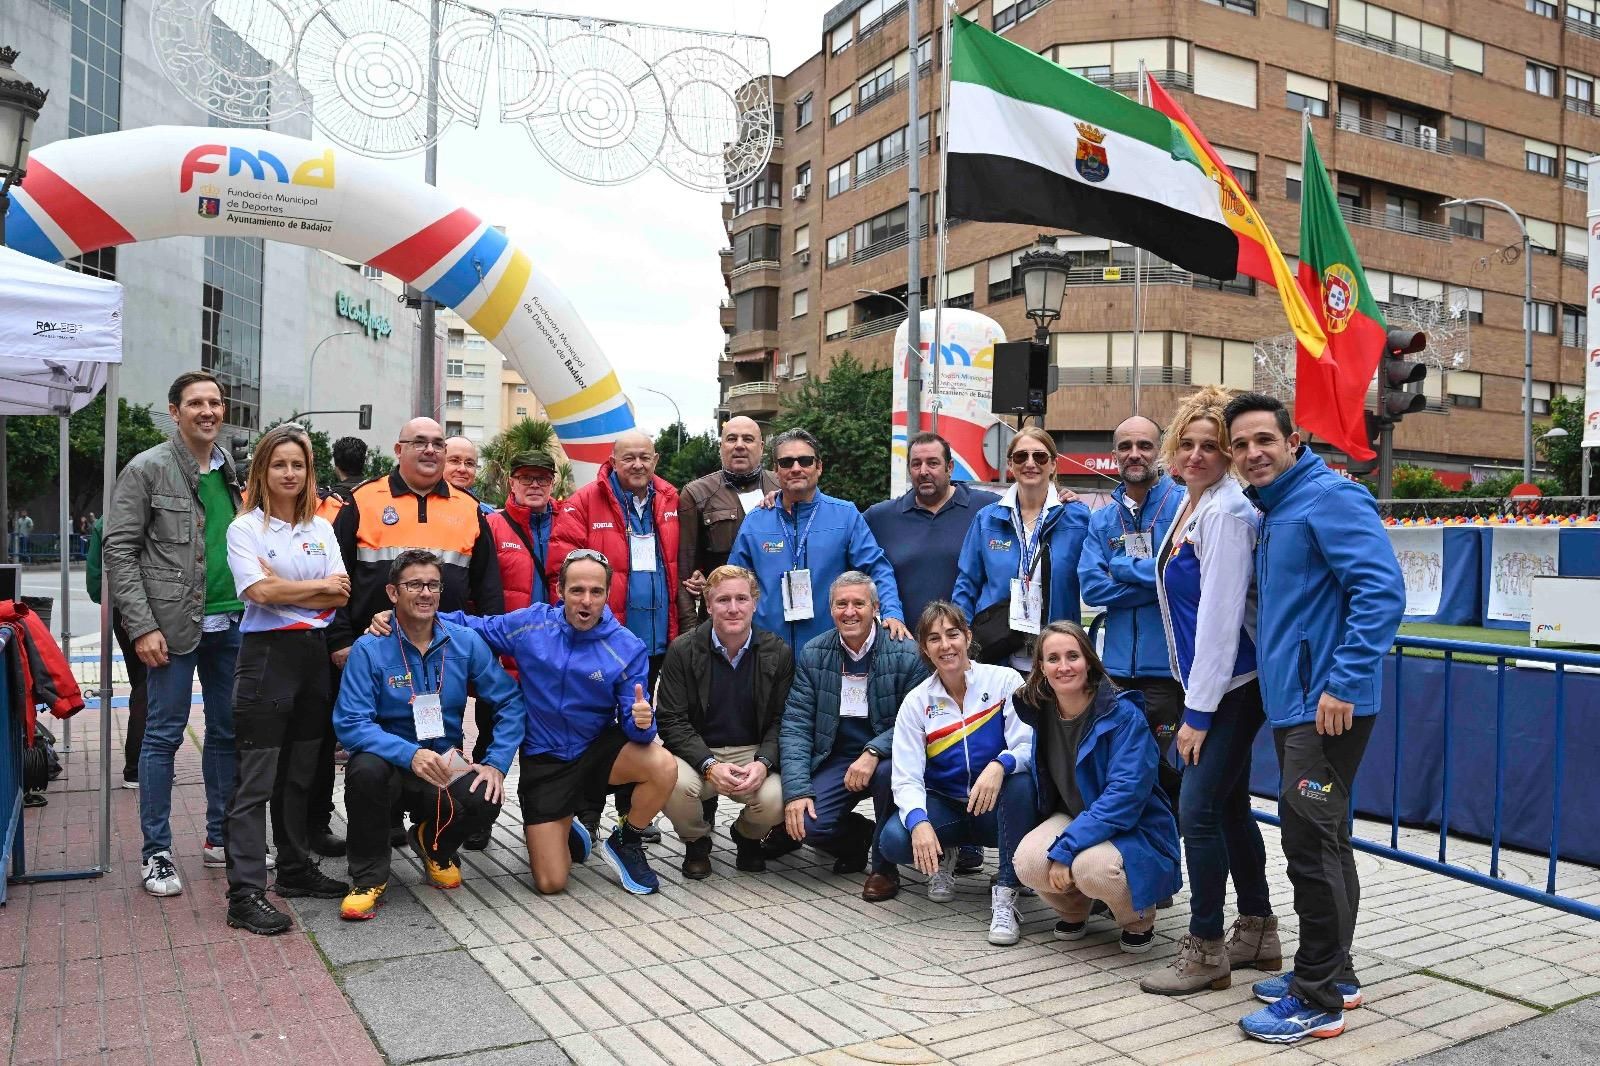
1460,748
10,765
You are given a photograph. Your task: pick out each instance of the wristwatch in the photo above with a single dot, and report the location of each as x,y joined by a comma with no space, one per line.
764,761
874,752
707,765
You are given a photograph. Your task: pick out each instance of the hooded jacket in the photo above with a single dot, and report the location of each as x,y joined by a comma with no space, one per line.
1331,593
992,553
373,713
592,518
533,529
1116,772
1135,640
575,683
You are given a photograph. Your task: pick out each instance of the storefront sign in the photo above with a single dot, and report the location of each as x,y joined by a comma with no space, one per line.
362,314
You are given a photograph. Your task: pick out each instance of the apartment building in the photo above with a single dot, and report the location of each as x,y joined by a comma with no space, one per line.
1412,101
483,394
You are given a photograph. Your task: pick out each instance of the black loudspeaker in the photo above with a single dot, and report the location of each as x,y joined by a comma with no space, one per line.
1021,378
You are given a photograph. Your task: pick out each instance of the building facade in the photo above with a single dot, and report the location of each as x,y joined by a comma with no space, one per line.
1413,102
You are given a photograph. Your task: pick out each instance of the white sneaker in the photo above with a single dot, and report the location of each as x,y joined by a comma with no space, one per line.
160,876
1004,925
216,857
942,885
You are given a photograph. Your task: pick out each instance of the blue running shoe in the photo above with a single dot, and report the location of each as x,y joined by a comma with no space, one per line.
1291,1020
1272,989
579,842
624,850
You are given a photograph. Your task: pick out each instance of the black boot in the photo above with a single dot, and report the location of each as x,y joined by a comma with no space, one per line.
852,844
697,859
310,882
251,911
748,856
326,843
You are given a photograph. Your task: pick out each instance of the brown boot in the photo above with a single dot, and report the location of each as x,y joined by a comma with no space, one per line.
1254,942
1198,966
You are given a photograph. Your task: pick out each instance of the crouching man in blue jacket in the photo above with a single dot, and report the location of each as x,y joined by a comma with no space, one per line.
1331,597
590,726
401,701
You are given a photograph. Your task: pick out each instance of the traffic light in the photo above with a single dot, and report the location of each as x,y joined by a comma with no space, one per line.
365,412
1374,426
1395,399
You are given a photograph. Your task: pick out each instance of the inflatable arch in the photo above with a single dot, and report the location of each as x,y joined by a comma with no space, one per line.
173,181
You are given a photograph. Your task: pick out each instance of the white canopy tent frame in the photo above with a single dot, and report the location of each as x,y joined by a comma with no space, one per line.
60,343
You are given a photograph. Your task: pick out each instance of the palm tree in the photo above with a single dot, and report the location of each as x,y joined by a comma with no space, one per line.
526,435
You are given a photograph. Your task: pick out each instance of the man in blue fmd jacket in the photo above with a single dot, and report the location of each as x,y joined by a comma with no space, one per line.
798,546
1117,571
1331,597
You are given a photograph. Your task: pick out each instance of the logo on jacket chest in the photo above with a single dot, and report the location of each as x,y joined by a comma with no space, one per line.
602,525
998,545
391,517
400,680
772,547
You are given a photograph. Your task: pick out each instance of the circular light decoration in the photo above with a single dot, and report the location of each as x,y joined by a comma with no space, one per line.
605,120
717,112
232,57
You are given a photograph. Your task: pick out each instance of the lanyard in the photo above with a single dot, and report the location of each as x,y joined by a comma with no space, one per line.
1030,550
411,680
643,519
797,546
1151,509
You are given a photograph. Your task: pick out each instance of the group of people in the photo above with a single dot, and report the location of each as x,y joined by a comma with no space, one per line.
750,639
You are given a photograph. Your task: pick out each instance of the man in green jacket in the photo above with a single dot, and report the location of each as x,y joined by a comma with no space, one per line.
720,699
137,703
838,732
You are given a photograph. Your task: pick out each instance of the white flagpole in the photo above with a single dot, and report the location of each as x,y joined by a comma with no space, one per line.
1138,265
941,282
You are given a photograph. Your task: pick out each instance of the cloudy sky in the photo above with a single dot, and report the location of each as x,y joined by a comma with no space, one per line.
638,261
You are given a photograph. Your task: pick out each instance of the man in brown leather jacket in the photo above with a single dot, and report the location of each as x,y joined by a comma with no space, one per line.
710,510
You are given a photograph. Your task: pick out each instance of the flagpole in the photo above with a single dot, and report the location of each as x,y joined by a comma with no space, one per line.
1138,264
913,250
941,282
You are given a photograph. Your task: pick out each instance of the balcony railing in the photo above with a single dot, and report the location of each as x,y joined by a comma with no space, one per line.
1572,181
886,166
1580,105
1395,48
1576,262
755,265
1428,142
1149,274
753,388
1123,375
870,100
1573,339
1128,80
1582,28
874,326
881,21
888,244
1416,227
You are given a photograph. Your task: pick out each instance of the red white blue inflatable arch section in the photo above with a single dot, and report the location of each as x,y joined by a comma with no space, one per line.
170,181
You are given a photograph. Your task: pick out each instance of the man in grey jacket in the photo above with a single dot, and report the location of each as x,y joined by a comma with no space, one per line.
166,559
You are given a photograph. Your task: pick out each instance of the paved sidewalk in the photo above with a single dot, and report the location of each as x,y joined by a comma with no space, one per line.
787,966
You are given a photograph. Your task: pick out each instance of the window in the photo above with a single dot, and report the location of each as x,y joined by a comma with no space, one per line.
802,112
839,248
1248,7
881,156
839,108
1005,277
836,323
1216,361
95,103
454,368
1475,306
1538,78
755,309
802,238
1466,53
1576,171
802,303
1467,220
1583,11
756,244
1464,387
1542,8
1291,182
925,52
1306,94
797,365
522,412
474,343
1466,138
802,174
453,399
877,84
838,179
880,229
1574,327
1580,93
523,390
1544,317
1225,77
764,190
1575,246
1243,165
840,38
473,402
1541,234
1311,12
1541,398
1388,31
1539,157
1008,13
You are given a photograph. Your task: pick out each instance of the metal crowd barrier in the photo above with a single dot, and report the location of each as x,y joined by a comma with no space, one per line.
1442,864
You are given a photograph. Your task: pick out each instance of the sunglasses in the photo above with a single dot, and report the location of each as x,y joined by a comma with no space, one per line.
1037,458
804,461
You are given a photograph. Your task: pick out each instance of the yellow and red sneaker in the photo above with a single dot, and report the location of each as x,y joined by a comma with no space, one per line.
362,902
442,875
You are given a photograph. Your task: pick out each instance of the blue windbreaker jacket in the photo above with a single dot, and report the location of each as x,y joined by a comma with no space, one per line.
374,709
575,684
838,540
1135,643
1330,592
991,555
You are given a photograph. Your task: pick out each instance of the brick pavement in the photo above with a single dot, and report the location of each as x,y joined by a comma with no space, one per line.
789,966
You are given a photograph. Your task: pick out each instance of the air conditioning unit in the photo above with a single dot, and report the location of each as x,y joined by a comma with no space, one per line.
800,190
805,257
1428,137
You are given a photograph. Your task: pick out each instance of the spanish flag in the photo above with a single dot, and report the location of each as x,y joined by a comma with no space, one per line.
1259,256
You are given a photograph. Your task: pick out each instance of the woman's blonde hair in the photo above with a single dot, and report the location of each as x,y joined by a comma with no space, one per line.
1205,405
1036,434
256,492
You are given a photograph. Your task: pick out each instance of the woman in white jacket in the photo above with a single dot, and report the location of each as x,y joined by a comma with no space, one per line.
1205,581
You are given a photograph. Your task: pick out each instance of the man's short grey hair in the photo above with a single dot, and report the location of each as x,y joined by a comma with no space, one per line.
854,577
790,436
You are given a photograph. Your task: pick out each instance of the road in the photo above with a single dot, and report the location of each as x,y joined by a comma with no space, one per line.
84,612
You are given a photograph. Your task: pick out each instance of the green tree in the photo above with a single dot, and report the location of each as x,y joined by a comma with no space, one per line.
1418,483
1564,454
321,450
378,464
699,456
848,412
526,435
33,452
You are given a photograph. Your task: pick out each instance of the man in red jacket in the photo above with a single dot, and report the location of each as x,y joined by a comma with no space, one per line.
631,517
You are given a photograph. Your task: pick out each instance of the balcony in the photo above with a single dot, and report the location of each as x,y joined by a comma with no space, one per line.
1583,29
1576,262
874,326
1428,142
1579,104
1572,181
726,316
888,244
1394,48
870,100
752,399
753,344
1128,80
1416,227
877,24
1574,339
1123,375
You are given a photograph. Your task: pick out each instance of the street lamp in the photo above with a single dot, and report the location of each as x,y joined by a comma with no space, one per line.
1044,284
1527,326
312,362
675,411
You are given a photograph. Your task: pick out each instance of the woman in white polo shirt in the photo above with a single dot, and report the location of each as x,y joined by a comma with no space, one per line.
291,578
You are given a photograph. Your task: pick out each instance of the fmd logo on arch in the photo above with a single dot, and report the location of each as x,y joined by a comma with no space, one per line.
209,158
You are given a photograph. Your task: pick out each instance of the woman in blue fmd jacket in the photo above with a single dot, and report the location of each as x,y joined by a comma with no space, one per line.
1024,548
1205,584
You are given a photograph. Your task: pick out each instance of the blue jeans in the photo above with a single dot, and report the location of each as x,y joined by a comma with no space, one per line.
1015,814
169,690
833,802
1220,836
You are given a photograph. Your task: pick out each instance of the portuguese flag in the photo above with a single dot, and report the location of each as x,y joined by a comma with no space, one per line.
1033,143
1330,391
1259,256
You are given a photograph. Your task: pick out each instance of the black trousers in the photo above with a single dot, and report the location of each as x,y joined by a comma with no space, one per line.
372,785
590,813
1163,710
319,805
280,702
138,700
1314,806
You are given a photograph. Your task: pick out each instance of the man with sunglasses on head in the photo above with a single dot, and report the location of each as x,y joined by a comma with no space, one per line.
806,539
